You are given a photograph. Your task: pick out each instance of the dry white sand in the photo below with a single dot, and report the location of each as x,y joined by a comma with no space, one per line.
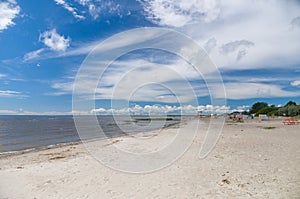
247,162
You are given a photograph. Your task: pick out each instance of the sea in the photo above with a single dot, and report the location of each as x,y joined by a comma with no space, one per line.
25,133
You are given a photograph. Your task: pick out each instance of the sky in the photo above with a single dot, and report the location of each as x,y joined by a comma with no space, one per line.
254,45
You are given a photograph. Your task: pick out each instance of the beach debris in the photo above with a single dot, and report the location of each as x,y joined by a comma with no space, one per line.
50,154
242,185
115,141
226,181
20,167
219,156
47,182
266,127
57,157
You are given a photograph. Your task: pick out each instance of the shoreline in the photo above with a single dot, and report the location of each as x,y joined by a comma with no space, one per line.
62,144
249,161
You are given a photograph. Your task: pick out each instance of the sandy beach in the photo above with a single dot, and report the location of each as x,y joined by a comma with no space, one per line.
251,160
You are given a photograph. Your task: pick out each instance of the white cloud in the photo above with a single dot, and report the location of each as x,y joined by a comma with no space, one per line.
139,80
263,26
239,46
163,110
245,35
295,83
132,79
244,43
7,112
240,90
25,112
96,7
137,109
124,76
63,87
180,13
242,108
8,11
69,8
210,44
54,41
2,76
271,26
234,45
42,53
10,93
33,55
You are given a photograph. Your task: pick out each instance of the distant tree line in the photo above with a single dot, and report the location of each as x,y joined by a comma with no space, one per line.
291,109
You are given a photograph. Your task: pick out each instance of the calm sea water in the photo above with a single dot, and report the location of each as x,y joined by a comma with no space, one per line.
27,133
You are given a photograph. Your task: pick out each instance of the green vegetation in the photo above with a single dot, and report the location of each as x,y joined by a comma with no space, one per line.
291,103
258,106
269,127
291,109
269,110
297,117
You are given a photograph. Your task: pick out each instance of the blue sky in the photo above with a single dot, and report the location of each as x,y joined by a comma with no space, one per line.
254,44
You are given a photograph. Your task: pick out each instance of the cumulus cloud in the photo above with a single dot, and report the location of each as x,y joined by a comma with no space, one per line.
242,53
240,46
57,45
180,13
8,112
8,11
244,35
241,108
163,110
25,112
265,24
54,41
137,109
69,8
295,83
210,44
96,7
234,45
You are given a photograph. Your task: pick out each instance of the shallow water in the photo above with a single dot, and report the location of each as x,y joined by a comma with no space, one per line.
25,133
